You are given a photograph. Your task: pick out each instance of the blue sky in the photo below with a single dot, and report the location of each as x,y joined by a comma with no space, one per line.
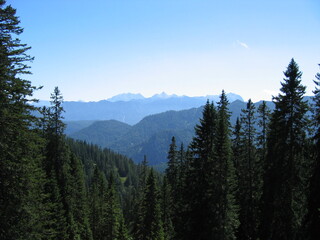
96,49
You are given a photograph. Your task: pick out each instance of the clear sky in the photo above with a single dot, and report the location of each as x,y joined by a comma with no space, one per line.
96,49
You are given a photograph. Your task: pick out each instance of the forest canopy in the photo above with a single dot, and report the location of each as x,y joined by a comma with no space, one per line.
258,179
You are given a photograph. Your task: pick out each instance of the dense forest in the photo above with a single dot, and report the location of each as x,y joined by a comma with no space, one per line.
258,179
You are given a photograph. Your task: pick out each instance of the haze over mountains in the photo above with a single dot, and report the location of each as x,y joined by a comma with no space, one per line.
132,108
151,136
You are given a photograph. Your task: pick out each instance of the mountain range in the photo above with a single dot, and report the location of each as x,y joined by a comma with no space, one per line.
131,108
152,135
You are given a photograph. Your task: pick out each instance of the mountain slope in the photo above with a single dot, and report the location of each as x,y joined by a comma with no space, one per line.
102,132
151,136
132,108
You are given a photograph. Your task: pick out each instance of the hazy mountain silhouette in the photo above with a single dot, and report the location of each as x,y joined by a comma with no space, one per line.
132,108
152,135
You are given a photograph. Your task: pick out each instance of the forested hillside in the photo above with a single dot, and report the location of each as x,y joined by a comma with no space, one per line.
255,179
152,135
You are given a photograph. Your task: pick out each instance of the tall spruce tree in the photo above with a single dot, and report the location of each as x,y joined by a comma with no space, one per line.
283,191
113,218
139,196
237,145
171,190
65,178
97,204
152,227
21,177
167,209
225,220
198,215
249,176
312,221
180,202
263,122
172,169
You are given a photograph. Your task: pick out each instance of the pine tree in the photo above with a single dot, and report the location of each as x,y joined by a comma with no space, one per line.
283,191
21,177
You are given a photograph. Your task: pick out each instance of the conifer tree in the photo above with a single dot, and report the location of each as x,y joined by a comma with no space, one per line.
152,228
172,169
312,221
225,221
139,196
167,209
172,189
249,176
283,193
65,174
21,177
122,230
199,191
263,122
97,204
78,198
180,202
237,145
113,215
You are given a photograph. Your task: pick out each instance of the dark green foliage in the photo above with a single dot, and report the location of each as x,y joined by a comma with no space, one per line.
21,177
263,122
172,169
199,177
226,221
113,214
138,211
210,210
102,132
312,221
168,209
151,228
151,136
283,191
106,219
66,183
97,204
56,188
249,170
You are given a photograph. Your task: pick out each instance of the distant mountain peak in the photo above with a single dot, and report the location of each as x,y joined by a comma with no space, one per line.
126,97
163,95
233,97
